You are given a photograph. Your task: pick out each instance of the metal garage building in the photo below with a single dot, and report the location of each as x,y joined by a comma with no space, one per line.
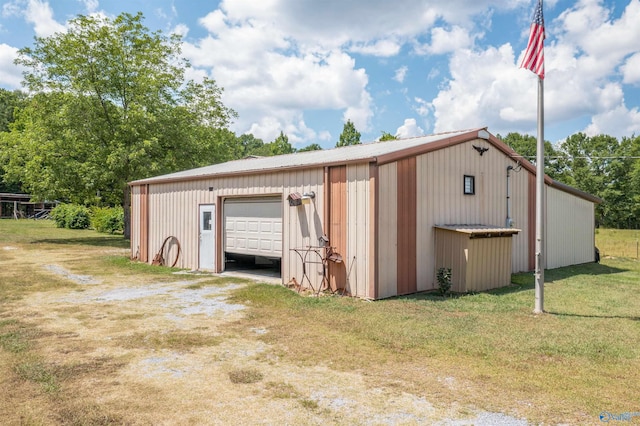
379,205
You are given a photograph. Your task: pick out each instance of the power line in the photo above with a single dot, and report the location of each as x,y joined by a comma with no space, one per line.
629,157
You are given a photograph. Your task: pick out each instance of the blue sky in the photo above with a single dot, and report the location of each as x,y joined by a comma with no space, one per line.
407,67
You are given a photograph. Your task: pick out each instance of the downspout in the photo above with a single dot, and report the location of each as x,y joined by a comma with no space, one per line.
509,221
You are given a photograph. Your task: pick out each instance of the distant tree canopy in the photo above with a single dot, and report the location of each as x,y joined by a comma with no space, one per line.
526,145
387,137
10,101
349,135
600,165
311,147
110,104
281,145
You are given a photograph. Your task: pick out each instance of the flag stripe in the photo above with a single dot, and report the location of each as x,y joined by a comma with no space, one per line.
534,56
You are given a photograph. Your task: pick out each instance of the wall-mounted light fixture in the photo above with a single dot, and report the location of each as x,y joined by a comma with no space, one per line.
295,199
307,197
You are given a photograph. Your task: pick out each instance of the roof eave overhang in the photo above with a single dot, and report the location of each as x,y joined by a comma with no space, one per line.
170,179
479,133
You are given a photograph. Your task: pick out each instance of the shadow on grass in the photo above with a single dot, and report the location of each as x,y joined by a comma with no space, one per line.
564,314
551,275
106,241
525,281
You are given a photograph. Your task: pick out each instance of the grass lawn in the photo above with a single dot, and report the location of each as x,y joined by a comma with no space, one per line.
486,351
618,242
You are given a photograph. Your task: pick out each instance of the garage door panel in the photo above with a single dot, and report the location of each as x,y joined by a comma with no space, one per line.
254,227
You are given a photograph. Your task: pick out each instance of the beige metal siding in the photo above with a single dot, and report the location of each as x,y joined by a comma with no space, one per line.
489,263
357,257
452,252
135,222
441,200
570,237
387,230
173,210
477,264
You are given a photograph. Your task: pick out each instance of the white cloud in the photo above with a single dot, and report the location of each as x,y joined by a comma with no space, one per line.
40,14
400,74
382,48
486,87
447,40
631,70
180,29
270,79
361,112
618,122
91,5
332,24
423,108
279,58
409,129
10,75
36,12
214,21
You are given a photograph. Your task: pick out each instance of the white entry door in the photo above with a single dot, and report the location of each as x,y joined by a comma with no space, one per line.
208,237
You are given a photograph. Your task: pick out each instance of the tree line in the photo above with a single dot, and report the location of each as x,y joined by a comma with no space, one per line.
107,102
601,165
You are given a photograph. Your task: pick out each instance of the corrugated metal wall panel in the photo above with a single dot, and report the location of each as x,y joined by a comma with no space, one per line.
357,257
338,224
441,200
488,263
448,249
302,225
477,264
173,210
519,182
406,226
387,230
570,235
135,222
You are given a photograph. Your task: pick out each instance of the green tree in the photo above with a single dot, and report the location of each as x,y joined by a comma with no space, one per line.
9,102
555,163
634,179
601,166
250,145
311,147
349,135
620,208
281,145
111,105
386,136
588,158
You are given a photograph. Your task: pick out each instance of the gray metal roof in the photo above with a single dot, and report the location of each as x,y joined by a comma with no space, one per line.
479,230
345,154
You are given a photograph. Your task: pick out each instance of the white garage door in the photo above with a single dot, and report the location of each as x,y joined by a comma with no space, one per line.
253,226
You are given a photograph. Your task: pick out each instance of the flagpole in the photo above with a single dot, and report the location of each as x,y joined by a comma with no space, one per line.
540,258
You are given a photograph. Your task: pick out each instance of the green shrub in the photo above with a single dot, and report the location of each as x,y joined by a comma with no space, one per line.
444,280
72,216
109,220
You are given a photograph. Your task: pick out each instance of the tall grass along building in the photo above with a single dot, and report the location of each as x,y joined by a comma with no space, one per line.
373,220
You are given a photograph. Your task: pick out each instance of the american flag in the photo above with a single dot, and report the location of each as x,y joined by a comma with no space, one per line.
534,56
